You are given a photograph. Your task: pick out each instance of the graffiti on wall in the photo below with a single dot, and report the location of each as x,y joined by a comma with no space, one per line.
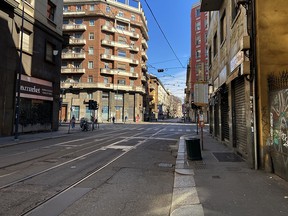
279,118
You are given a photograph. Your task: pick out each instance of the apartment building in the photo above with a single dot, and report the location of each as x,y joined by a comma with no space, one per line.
159,99
105,60
31,41
198,63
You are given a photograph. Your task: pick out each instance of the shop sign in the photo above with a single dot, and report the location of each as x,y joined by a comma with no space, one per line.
236,60
35,88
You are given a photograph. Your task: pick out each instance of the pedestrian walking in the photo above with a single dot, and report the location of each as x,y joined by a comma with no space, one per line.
92,121
113,119
72,122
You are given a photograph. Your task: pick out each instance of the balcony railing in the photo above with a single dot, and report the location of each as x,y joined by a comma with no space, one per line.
115,87
144,55
144,42
119,58
70,55
73,70
125,32
74,27
73,13
77,41
118,72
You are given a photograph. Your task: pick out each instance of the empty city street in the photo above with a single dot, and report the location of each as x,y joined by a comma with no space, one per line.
118,169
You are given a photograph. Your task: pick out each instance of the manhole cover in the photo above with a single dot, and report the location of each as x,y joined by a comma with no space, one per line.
227,157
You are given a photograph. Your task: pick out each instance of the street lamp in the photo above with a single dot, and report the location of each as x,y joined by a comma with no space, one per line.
18,77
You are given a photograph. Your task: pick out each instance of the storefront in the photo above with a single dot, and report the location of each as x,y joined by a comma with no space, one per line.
36,104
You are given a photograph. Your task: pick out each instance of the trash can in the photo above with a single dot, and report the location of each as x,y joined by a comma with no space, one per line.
193,148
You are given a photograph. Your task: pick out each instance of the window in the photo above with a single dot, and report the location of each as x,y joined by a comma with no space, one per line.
131,82
26,41
198,53
132,69
120,14
90,50
121,82
65,22
78,21
65,8
122,53
91,7
49,52
90,65
197,12
107,51
90,79
133,17
89,95
122,39
121,66
132,29
198,26
121,27
106,65
108,9
234,10
51,8
198,40
215,44
78,7
223,27
210,56
106,80
77,35
91,36
91,22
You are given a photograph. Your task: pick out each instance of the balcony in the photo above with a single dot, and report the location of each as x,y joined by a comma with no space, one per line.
13,3
118,72
144,55
74,27
77,41
125,32
119,58
73,13
72,70
144,43
70,55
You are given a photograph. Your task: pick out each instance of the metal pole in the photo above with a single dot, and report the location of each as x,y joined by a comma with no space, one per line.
18,77
70,115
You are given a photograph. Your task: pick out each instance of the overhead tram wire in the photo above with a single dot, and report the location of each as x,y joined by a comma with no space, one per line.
163,33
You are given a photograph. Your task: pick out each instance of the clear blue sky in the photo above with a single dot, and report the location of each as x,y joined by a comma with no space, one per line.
174,20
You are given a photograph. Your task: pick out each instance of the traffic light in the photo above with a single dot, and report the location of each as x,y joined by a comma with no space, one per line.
90,104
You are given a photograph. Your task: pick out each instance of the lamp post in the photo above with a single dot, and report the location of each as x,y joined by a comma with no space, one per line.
71,109
18,77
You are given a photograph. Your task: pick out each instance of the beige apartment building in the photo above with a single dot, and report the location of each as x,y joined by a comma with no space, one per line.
105,60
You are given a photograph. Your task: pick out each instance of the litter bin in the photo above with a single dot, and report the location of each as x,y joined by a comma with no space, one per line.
193,148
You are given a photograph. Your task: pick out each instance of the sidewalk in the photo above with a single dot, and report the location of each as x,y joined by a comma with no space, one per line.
33,137
222,184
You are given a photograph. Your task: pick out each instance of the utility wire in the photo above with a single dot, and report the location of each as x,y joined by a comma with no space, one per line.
163,33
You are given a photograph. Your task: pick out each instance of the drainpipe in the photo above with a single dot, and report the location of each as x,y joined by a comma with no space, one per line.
254,84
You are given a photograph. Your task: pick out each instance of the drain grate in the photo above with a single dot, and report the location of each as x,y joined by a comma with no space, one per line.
198,165
227,157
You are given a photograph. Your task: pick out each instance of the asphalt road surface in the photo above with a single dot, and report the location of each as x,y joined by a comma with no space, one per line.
119,169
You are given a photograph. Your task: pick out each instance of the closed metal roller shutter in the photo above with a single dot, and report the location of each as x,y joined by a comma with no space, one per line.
216,116
239,121
225,114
